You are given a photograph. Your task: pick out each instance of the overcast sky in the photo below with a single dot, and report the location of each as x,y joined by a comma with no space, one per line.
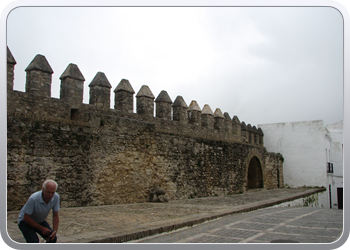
263,64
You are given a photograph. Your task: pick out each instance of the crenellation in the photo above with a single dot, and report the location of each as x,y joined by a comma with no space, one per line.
261,137
255,136
39,77
219,120
163,105
115,155
250,134
180,110
228,123
145,102
236,128
207,118
189,120
124,97
100,91
72,86
194,114
11,62
245,132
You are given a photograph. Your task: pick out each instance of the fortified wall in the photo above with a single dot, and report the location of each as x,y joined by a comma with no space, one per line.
103,156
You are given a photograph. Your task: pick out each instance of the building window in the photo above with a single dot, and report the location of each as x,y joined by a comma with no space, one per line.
329,167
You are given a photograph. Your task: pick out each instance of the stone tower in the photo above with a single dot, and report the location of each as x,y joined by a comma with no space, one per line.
100,91
72,86
124,97
39,75
163,105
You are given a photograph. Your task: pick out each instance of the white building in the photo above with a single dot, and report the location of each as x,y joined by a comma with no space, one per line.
335,176
312,155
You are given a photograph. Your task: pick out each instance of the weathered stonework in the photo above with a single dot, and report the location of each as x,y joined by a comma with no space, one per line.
180,110
102,156
72,86
163,105
194,114
100,90
145,102
11,62
124,97
38,80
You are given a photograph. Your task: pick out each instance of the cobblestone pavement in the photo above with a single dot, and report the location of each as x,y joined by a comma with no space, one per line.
284,225
126,222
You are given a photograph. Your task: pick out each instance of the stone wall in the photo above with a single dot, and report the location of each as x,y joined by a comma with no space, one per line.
102,156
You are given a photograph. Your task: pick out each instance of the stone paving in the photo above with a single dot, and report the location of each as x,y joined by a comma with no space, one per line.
127,222
280,225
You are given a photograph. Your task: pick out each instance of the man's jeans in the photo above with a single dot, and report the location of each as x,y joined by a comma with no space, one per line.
30,235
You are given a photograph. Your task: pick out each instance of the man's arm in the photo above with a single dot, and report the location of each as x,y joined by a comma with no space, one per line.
31,222
55,222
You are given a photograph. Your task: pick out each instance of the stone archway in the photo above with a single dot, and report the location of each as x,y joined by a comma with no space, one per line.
255,174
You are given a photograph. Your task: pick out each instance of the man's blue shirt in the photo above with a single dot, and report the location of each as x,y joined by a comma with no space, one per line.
37,208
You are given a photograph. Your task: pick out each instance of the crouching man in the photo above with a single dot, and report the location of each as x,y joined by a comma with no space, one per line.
32,218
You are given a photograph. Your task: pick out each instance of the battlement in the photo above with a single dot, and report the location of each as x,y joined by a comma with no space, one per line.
167,116
115,155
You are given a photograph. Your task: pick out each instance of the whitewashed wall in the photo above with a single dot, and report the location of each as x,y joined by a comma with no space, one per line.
303,146
335,131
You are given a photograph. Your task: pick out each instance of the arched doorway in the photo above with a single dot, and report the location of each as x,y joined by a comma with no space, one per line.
255,176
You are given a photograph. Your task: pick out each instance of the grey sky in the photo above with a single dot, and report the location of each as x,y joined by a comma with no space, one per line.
265,65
